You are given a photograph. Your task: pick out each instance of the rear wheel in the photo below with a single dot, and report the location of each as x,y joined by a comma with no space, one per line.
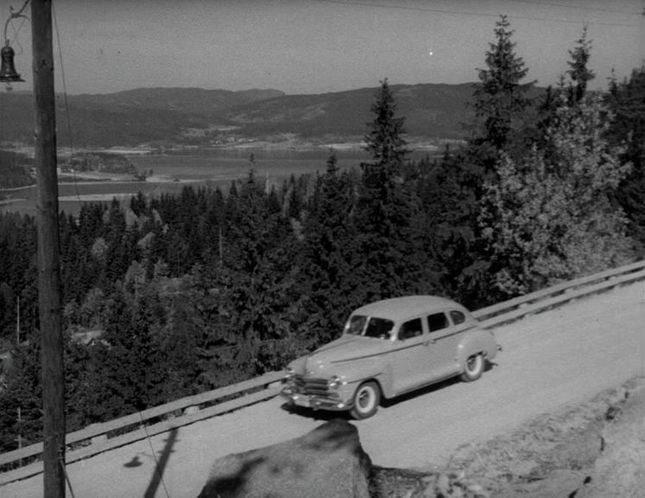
474,368
366,400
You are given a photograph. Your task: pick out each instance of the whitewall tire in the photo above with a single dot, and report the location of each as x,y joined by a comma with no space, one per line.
473,368
366,400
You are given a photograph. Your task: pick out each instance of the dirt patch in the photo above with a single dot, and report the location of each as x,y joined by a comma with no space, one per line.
575,451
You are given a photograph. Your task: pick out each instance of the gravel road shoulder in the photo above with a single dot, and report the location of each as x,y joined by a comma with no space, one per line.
592,449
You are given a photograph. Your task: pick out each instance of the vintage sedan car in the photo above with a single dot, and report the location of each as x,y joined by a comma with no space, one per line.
389,348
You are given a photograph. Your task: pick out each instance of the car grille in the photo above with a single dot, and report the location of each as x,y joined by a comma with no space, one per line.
311,387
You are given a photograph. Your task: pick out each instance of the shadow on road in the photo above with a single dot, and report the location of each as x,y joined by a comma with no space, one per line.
322,415
326,416
157,475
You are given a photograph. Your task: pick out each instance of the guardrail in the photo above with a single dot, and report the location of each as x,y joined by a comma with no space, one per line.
99,438
541,300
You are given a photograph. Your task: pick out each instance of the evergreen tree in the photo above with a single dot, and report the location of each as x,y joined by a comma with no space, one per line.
385,263
131,374
627,101
552,218
385,142
259,256
327,254
22,394
579,72
501,97
449,194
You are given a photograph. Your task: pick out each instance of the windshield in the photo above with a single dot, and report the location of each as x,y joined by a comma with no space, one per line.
369,326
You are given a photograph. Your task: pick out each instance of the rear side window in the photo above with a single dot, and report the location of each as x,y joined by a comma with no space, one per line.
411,328
437,321
457,317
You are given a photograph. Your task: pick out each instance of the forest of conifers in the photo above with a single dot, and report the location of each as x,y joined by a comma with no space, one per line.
209,287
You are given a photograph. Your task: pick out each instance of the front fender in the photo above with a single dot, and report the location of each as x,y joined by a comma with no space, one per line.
355,372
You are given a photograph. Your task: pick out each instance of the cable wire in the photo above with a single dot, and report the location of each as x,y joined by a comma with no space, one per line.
15,15
69,483
579,7
66,102
154,456
469,13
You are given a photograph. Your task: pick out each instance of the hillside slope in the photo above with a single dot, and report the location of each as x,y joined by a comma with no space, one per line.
193,116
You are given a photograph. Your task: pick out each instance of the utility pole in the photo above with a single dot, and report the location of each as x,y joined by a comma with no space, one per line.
18,323
49,285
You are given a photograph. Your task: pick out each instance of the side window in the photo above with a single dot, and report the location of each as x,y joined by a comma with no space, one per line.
378,327
437,321
411,328
457,317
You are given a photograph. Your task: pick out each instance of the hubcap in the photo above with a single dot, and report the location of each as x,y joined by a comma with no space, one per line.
364,399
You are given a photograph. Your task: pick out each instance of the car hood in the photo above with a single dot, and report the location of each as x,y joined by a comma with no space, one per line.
344,349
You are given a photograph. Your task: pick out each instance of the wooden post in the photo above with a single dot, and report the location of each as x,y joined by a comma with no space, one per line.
18,323
49,285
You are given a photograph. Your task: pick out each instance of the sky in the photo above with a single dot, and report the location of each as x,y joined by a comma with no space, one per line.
318,46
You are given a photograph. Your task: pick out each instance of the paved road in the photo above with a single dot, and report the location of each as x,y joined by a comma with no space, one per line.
555,358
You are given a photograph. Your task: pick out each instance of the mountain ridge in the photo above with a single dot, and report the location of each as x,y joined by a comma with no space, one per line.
177,117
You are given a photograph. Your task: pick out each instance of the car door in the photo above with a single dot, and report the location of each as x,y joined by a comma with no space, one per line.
409,356
442,350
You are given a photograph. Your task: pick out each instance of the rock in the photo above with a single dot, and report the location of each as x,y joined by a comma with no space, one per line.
619,471
328,462
560,483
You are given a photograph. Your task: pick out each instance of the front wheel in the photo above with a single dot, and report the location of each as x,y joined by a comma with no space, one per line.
474,368
366,400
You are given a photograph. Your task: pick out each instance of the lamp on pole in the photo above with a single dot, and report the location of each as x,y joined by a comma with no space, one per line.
8,73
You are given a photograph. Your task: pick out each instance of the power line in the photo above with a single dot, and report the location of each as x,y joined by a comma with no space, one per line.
579,7
471,13
69,122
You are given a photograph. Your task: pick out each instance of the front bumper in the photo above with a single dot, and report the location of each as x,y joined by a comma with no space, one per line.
333,401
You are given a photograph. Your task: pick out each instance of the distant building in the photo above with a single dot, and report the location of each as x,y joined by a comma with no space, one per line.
87,337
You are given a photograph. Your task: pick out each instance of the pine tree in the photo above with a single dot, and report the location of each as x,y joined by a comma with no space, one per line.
23,391
385,263
132,365
627,101
579,72
327,253
381,191
385,142
448,192
501,98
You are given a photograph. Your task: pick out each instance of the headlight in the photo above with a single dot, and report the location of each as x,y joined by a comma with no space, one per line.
335,382
290,375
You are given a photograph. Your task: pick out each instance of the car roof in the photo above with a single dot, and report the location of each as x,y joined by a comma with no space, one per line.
399,308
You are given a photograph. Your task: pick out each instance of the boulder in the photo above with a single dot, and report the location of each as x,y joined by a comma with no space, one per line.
328,462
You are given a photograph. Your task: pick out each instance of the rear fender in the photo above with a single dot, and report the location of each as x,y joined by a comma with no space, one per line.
475,342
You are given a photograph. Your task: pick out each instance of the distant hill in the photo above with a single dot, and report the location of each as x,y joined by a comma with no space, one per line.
430,111
183,100
167,117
